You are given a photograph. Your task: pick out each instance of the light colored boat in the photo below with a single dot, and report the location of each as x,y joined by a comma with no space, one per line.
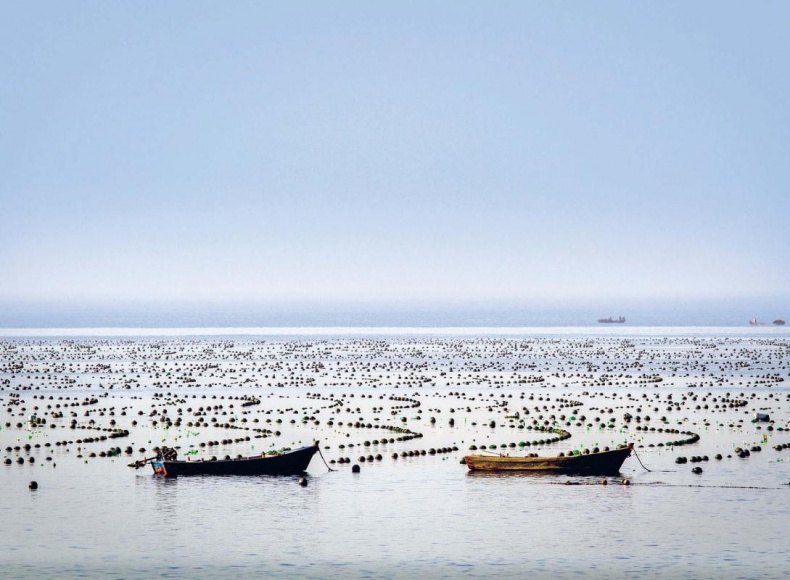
600,463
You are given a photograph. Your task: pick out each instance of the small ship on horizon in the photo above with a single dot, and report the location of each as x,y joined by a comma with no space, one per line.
611,320
755,322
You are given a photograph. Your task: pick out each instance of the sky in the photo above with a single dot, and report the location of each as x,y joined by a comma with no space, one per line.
394,151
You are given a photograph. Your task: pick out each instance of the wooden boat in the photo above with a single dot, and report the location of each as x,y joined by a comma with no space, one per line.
601,463
287,463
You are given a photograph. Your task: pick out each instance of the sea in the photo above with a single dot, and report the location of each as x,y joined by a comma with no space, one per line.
461,380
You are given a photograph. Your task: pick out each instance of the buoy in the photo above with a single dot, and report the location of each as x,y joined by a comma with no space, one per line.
33,485
355,468
303,481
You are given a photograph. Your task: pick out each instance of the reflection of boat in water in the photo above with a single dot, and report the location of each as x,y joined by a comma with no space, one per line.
779,322
601,463
609,320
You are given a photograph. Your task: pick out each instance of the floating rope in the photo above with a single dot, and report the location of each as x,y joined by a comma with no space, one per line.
659,483
662,484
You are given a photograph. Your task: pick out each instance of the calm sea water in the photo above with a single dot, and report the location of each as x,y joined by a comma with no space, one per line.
427,519
716,313
410,517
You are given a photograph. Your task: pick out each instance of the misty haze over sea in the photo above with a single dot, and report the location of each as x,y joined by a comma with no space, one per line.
715,313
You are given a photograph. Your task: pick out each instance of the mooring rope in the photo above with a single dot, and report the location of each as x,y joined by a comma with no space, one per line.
640,461
651,470
324,460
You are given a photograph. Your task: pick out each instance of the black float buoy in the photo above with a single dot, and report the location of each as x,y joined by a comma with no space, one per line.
303,481
355,468
33,485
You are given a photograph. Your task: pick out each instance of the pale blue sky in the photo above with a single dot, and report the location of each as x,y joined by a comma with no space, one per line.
394,151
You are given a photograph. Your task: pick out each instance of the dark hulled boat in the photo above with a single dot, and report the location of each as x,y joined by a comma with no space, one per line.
286,463
601,463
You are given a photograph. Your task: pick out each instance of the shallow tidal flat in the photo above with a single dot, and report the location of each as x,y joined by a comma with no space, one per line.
708,487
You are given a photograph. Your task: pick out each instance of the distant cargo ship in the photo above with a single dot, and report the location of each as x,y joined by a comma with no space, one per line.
755,322
610,320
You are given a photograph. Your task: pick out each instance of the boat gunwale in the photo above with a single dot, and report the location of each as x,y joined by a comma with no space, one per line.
240,459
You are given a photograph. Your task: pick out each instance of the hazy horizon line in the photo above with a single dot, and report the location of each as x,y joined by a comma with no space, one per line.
430,301
404,331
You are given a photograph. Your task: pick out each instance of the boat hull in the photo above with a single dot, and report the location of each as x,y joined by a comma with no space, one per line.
290,463
602,463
